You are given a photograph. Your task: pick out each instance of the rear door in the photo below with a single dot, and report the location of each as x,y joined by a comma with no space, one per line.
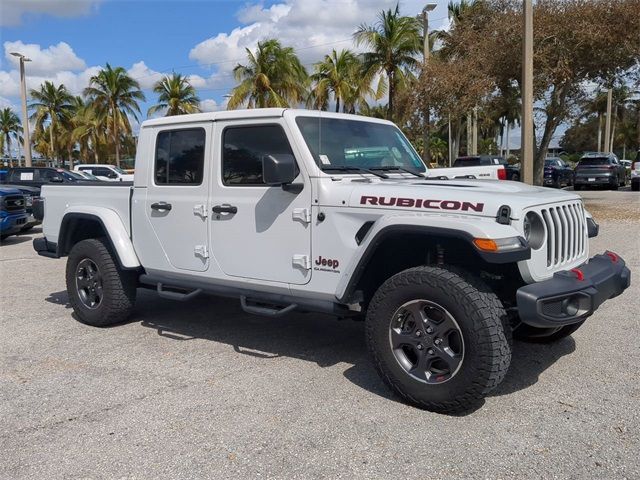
177,195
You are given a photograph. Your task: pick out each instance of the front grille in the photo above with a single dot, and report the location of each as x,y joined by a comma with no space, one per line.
13,203
566,233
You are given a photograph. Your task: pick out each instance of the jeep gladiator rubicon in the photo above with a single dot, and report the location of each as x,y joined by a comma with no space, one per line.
295,210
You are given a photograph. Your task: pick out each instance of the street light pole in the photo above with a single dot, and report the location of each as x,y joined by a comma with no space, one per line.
25,118
607,125
526,125
426,154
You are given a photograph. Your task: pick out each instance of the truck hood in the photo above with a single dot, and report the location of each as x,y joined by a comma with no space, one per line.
469,197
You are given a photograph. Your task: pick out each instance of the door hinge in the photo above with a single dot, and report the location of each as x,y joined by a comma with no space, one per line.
302,214
201,251
200,210
302,261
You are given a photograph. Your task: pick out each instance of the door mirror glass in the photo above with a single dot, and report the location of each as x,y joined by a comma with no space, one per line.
278,169
112,175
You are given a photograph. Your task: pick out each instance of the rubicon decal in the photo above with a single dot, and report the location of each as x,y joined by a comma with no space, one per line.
421,203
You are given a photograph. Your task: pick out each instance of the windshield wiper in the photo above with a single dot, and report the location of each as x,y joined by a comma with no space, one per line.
344,168
393,167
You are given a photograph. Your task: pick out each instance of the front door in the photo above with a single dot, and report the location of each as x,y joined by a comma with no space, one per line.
177,195
258,231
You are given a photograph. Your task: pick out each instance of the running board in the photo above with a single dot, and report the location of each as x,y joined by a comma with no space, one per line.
265,311
181,297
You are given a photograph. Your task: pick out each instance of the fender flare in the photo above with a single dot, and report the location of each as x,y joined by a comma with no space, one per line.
455,228
113,227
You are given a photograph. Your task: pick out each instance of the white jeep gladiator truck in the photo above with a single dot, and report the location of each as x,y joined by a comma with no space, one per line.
306,211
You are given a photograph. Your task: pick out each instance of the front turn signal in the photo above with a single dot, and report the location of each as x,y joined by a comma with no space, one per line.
499,245
486,244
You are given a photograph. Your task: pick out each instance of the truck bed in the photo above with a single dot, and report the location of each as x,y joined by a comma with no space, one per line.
115,196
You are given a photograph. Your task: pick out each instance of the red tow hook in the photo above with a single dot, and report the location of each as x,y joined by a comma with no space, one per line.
613,256
579,274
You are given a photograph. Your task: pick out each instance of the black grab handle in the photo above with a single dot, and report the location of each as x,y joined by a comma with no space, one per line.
161,206
225,209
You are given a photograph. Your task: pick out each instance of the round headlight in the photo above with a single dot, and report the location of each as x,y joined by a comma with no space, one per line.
533,228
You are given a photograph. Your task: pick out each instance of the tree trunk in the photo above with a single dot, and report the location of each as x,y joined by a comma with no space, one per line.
8,137
507,147
391,93
116,141
456,145
555,113
613,129
53,154
337,104
599,148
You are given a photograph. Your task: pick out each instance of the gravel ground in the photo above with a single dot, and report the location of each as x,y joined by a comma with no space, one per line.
202,390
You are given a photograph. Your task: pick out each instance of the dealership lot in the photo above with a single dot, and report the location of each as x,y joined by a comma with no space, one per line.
200,389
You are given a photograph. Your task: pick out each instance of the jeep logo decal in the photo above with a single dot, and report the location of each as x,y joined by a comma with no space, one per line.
421,203
327,262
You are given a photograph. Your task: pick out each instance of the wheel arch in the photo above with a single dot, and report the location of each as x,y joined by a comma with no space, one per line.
77,226
397,247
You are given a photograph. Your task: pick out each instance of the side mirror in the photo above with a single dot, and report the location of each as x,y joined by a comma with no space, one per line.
112,175
56,180
279,169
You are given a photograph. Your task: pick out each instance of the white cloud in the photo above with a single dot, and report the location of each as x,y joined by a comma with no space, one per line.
13,11
210,105
44,60
5,102
312,27
145,76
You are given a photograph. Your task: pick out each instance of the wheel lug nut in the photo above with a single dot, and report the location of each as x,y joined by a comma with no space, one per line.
430,351
438,341
418,333
419,347
429,330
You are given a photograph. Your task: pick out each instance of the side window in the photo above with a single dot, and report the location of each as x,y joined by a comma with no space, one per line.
180,157
102,171
243,149
47,175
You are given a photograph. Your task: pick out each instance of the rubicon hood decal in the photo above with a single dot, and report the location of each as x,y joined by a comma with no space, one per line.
421,203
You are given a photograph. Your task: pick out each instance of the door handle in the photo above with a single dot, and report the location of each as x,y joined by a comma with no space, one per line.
162,206
225,209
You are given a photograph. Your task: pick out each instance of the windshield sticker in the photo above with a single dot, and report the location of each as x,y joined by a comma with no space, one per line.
26,175
420,203
324,159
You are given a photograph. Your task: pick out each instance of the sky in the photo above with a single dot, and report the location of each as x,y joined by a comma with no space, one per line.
68,41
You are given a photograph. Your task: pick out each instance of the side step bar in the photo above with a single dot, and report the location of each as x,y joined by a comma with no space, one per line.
181,297
264,310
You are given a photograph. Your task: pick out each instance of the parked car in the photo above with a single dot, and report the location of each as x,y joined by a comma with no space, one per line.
31,195
13,215
38,176
627,164
557,173
599,169
88,176
106,172
511,172
635,174
258,206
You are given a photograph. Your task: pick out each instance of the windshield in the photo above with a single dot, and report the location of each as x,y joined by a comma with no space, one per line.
119,170
339,143
70,175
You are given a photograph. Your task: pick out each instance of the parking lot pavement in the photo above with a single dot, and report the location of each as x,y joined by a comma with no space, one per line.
202,390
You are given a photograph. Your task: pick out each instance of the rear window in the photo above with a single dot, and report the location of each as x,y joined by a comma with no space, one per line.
594,161
467,162
180,157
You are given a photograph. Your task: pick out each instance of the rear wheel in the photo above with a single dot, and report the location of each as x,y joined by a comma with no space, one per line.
530,334
616,184
635,186
100,293
437,339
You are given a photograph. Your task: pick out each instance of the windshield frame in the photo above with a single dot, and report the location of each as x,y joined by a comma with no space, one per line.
361,168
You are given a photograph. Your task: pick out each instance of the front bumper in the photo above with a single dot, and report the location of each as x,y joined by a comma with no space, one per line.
45,248
573,295
12,223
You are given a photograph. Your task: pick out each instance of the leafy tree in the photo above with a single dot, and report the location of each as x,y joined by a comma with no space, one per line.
176,95
393,42
115,94
9,127
52,104
273,77
89,130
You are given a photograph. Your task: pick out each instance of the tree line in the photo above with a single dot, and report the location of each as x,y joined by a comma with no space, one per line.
471,82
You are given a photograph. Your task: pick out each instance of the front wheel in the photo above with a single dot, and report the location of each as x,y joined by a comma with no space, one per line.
100,292
437,339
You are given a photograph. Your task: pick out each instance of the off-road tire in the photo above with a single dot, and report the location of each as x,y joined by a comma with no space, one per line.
118,286
482,321
526,333
635,186
26,229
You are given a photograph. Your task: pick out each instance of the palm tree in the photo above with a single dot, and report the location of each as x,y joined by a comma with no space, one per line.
9,126
115,94
335,75
89,128
273,77
176,95
393,42
438,149
51,104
